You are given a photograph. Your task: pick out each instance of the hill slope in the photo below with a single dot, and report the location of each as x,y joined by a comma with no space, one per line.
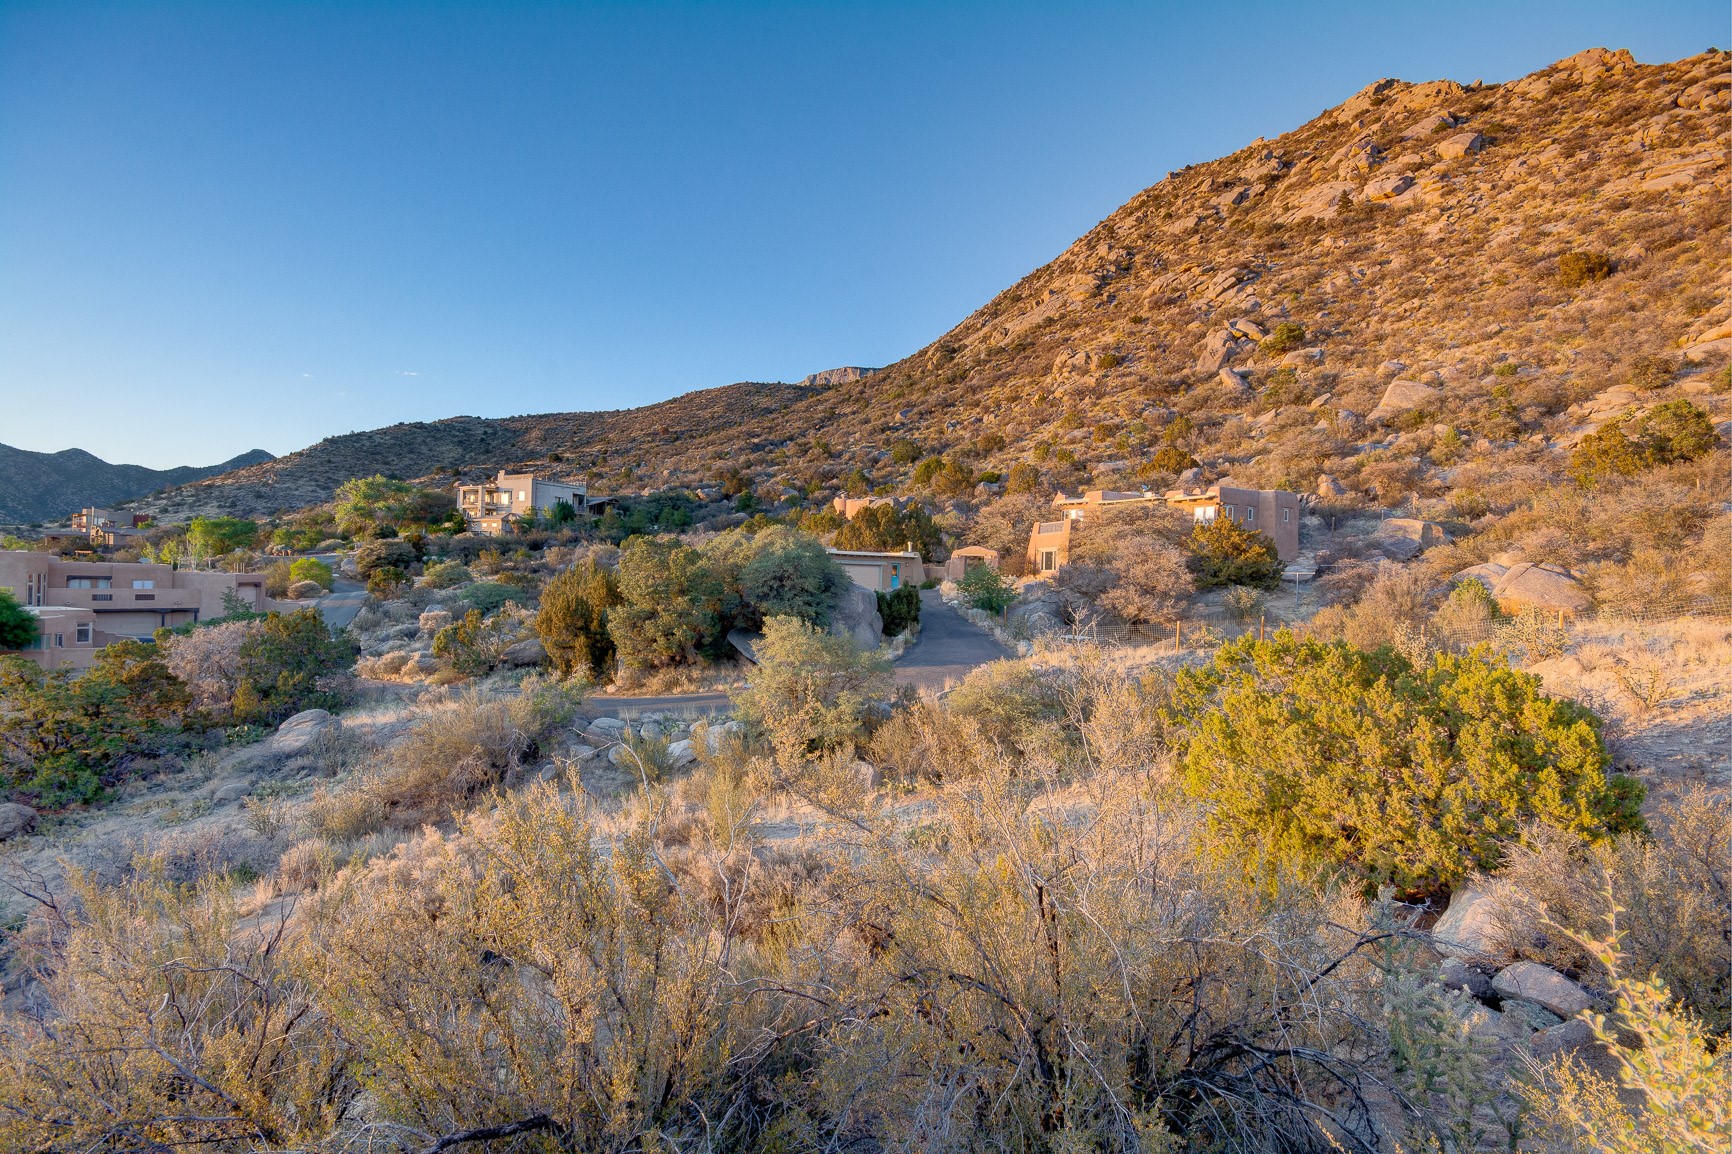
47,486
1417,232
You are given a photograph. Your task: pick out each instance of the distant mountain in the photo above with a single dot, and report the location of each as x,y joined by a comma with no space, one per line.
48,486
838,376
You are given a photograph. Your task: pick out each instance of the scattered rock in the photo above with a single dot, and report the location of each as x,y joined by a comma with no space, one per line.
1461,144
1404,396
1541,985
1563,1038
1545,588
15,820
1388,187
1486,574
231,791
865,773
305,591
1424,533
1455,974
1219,347
1328,486
524,654
1234,380
299,731
1468,927
681,754
856,616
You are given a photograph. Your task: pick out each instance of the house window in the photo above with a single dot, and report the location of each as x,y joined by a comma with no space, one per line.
144,584
1048,560
144,596
1250,514
522,496
102,597
1229,512
88,582
84,633
1286,515
60,641
895,576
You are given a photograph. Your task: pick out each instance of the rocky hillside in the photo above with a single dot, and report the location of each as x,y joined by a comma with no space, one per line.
1489,268
47,486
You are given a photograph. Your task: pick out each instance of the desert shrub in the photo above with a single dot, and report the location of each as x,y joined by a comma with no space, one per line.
208,661
369,504
1579,268
884,527
776,572
1670,1093
1170,459
1671,892
278,578
383,553
1152,582
1022,478
1009,703
386,582
572,620
17,627
250,1061
1467,615
1284,338
491,596
65,736
1226,553
986,588
476,643
446,575
1243,603
462,747
1674,431
310,569
285,665
899,609
809,691
1320,756
670,610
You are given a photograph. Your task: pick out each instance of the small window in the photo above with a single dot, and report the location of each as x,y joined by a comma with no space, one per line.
60,641
144,584
84,633
1048,560
144,596
1250,514
1229,512
1286,514
522,496
102,597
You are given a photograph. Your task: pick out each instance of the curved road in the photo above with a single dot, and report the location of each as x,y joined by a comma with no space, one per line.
947,648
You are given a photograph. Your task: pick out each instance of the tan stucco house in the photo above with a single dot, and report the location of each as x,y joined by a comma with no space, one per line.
1272,511
82,606
492,506
881,571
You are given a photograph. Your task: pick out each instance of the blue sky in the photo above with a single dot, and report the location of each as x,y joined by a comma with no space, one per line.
233,225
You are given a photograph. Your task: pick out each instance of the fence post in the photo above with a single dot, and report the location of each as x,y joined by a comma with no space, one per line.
1177,643
1262,619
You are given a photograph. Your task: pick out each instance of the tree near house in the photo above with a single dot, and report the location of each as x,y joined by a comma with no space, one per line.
1226,553
670,605
886,528
809,691
17,625
364,503
310,569
572,620
209,537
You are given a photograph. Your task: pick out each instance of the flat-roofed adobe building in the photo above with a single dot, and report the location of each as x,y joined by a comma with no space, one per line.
492,506
81,606
1275,512
881,571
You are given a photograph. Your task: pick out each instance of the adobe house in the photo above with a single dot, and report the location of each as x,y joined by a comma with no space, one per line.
849,506
1275,512
881,572
84,605
1272,511
969,557
492,506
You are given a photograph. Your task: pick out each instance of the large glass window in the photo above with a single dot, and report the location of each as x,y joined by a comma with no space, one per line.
144,584
88,582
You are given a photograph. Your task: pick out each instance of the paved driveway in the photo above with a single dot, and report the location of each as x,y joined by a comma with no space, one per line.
949,646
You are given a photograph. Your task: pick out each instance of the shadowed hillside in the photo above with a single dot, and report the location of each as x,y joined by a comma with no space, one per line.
46,486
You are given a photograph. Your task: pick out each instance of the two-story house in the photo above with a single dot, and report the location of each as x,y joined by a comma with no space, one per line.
492,506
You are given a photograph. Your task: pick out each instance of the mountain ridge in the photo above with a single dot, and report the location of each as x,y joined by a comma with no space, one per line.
46,486
1414,233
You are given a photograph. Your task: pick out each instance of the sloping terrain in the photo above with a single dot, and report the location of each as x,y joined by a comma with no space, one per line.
1418,233
47,486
